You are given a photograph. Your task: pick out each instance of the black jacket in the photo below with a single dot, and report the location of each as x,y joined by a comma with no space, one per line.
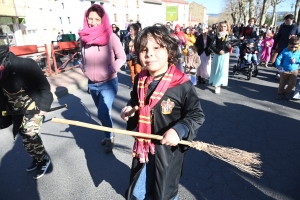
129,55
217,45
200,45
5,121
236,31
126,44
26,74
168,160
282,37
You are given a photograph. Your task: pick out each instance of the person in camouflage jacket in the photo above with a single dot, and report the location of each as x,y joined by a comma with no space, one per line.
26,88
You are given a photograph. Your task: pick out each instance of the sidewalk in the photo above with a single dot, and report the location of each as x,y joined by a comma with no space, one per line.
67,82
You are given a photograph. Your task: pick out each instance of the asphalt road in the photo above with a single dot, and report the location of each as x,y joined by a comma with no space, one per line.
245,115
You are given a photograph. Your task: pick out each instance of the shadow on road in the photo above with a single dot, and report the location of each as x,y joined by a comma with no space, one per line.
101,166
15,182
252,130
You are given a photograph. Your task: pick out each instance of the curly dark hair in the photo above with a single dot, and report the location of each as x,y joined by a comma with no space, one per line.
163,37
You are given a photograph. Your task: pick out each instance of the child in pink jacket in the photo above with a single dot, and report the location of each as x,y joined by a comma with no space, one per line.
267,45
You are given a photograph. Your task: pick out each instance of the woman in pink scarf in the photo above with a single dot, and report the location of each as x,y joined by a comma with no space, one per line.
102,56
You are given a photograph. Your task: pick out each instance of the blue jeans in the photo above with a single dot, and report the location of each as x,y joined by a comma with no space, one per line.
103,95
250,57
143,185
259,52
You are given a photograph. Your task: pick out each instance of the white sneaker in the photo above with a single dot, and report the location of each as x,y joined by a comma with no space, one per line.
218,90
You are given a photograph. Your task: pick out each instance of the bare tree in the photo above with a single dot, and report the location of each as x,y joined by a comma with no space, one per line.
251,8
243,10
297,12
265,8
234,10
274,4
258,9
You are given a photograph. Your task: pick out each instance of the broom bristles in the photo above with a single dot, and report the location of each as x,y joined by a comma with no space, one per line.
243,160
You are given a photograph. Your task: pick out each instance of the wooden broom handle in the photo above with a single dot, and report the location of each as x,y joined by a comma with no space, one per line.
114,130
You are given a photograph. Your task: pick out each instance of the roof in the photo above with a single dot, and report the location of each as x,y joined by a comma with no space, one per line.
176,1
153,1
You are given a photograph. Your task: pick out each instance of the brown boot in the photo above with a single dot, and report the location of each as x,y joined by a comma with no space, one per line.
109,145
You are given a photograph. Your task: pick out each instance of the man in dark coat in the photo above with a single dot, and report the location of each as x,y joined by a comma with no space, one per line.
26,88
286,30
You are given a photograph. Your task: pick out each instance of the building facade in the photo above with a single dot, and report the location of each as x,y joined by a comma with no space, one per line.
147,12
198,13
39,21
8,22
182,12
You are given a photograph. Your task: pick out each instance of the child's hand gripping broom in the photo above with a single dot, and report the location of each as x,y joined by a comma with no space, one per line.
243,160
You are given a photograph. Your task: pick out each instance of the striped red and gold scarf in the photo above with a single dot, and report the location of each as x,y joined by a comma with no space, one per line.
172,78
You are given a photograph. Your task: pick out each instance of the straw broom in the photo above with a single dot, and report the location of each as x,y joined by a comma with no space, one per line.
243,160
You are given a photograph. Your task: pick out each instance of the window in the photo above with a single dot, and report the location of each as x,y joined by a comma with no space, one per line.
126,3
69,19
137,4
138,17
31,31
115,18
60,20
127,17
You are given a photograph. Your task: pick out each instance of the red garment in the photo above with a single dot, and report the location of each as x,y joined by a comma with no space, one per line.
97,35
180,35
247,31
171,78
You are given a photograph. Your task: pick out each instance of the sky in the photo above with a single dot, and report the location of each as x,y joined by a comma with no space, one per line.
215,6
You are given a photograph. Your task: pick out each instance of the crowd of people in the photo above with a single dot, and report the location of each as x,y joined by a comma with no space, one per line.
165,64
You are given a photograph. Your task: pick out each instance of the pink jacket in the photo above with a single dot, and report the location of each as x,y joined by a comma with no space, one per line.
101,63
266,51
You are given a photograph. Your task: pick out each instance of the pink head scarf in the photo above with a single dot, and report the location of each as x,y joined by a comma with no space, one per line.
97,35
